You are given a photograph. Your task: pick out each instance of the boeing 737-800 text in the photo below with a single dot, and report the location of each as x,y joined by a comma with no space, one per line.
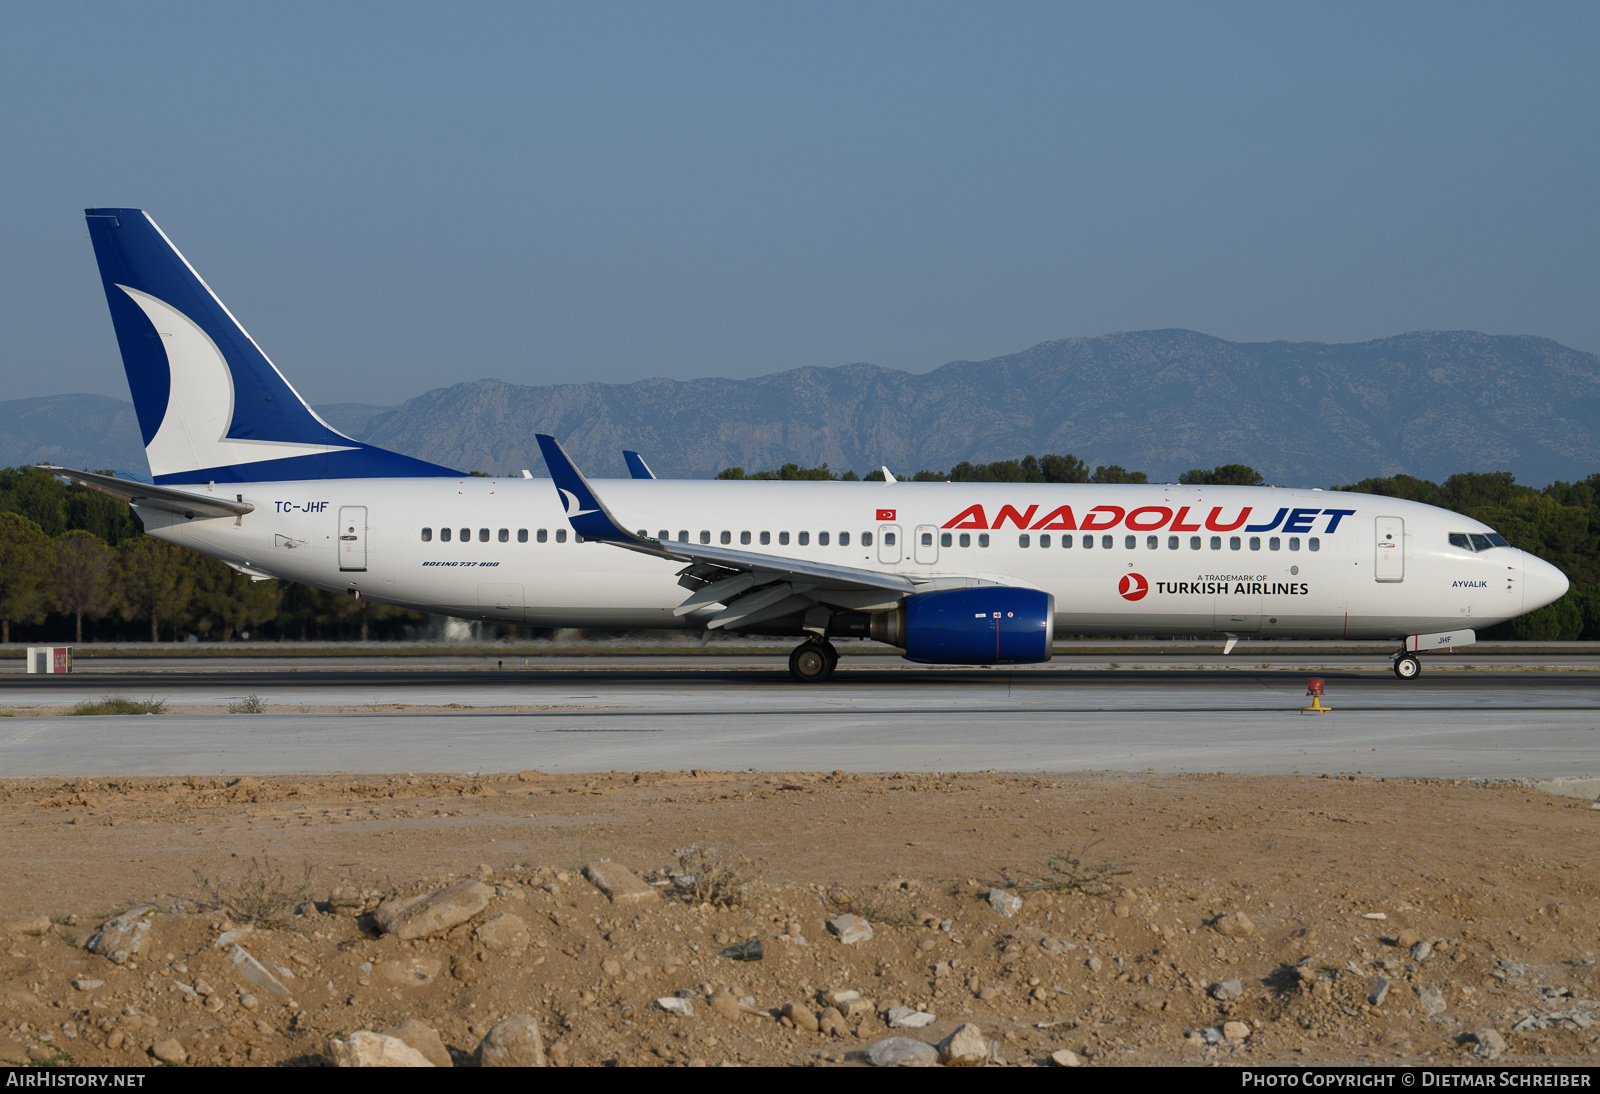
953,573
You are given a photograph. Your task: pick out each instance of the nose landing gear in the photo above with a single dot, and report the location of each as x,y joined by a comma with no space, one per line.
1407,666
813,661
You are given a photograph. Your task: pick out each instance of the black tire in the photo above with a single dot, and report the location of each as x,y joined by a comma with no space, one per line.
810,663
1407,667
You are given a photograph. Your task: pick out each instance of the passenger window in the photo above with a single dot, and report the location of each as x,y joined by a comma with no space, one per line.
1105,541
561,535
927,539
727,538
466,535
1479,543
1294,543
1130,543
1255,543
844,539
766,538
1194,543
822,539
505,535
1088,542
522,535
983,539
483,535
1216,543
1234,543
866,539
705,536
1044,541
803,539
1314,543
543,535
1172,543
444,535
665,536
427,535
1459,539
783,539
888,539
744,537
1274,543
1022,540
966,539
1152,543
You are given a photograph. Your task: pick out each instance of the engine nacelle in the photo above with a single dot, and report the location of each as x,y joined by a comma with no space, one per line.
984,625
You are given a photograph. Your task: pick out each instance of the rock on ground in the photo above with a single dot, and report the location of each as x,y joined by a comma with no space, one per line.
422,1037
435,913
363,1048
1234,925
901,1052
614,880
966,1047
850,929
515,1042
121,938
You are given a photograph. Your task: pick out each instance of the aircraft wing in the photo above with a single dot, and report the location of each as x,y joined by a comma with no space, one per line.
169,498
752,586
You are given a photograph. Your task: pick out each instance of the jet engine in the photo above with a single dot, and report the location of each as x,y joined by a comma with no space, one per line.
985,625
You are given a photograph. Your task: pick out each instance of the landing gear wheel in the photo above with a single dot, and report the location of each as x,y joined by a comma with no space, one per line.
813,662
1407,667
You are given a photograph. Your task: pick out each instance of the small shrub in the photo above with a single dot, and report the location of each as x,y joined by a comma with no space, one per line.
265,896
881,909
1066,872
250,704
710,880
120,704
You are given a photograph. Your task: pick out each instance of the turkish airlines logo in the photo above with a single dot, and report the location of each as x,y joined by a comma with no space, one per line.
885,514
1133,587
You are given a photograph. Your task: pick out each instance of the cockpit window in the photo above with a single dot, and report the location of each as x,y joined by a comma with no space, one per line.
1476,541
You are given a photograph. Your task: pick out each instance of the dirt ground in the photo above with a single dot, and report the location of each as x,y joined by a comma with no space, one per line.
1346,882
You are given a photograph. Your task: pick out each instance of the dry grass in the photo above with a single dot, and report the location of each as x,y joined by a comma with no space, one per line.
120,704
265,896
1067,872
708,879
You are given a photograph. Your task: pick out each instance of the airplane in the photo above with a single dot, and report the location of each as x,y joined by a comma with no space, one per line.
244,470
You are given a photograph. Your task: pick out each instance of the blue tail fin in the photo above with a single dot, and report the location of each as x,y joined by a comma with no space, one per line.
211,406
637,468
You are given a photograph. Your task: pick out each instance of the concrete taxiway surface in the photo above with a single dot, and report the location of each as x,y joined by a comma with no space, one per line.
653,714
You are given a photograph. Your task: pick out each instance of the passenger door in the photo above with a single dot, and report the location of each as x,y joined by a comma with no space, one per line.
889,543
1391,556
926,547
353,537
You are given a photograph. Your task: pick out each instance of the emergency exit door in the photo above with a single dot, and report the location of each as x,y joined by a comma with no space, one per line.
353,538
1390,564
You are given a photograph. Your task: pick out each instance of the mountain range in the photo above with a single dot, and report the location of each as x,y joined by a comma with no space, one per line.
1429,403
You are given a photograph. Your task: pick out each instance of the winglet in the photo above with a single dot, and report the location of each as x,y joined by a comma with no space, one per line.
586,513
637,468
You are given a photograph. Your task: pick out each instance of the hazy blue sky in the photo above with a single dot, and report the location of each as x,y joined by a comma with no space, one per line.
395,197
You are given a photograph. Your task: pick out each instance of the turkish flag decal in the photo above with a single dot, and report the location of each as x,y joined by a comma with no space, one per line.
885,514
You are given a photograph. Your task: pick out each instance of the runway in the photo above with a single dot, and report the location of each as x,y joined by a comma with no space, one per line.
744,713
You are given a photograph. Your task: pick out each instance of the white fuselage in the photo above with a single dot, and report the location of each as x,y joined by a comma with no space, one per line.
1163,561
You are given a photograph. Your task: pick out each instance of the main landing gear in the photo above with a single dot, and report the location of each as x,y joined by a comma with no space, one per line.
1407,666
813,661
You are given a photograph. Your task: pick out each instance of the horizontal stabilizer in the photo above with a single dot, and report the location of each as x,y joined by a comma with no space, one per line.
183,502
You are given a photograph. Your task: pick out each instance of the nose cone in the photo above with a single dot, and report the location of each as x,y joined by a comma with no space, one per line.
1542,583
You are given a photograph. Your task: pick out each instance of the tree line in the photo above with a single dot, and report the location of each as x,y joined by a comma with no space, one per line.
75,563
